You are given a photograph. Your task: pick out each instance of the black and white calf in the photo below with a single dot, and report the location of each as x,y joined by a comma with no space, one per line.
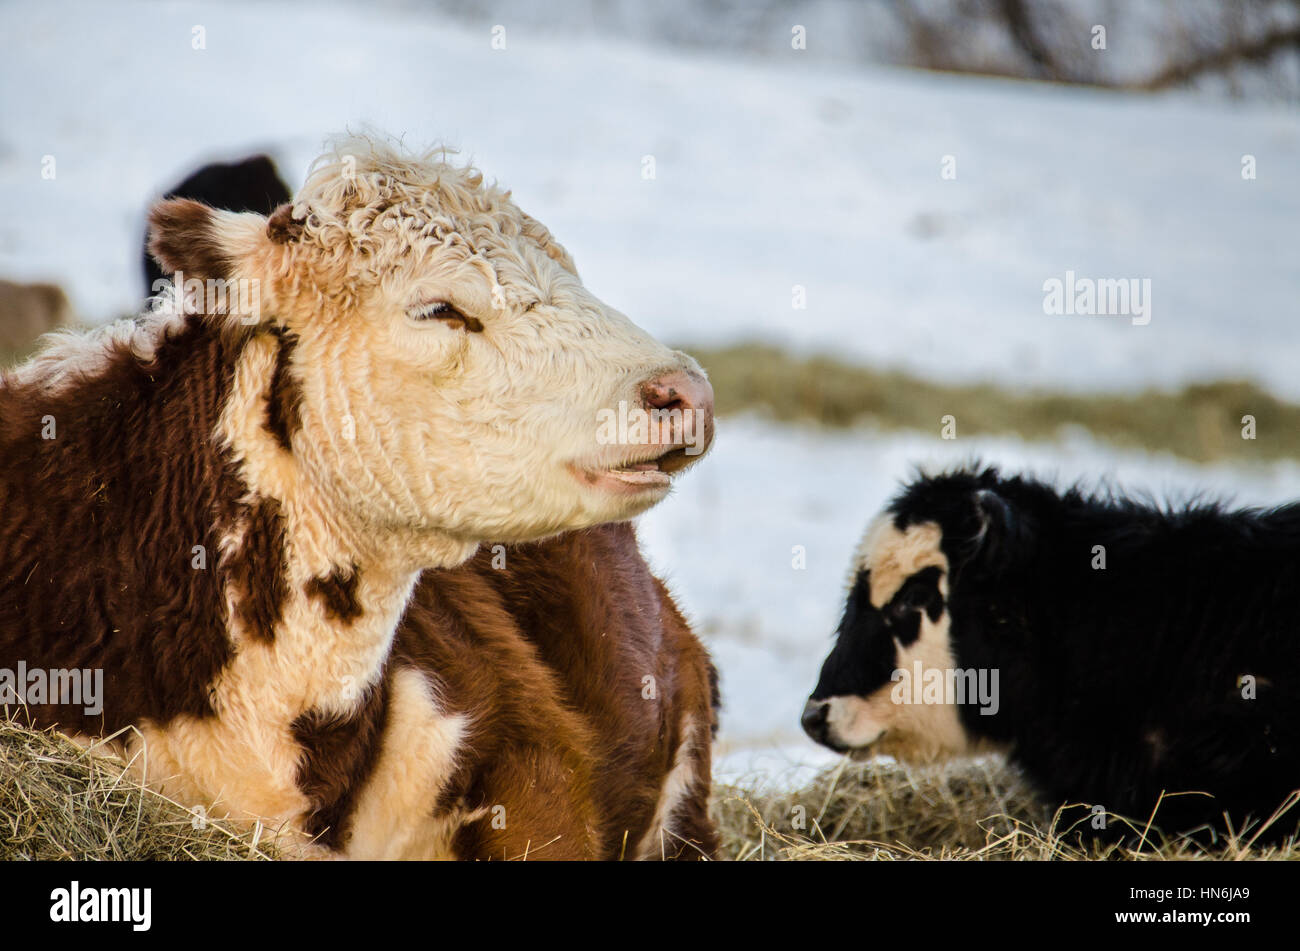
1114,649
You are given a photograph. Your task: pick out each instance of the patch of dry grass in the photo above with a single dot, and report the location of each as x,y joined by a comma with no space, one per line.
1201,422
59,801
979,810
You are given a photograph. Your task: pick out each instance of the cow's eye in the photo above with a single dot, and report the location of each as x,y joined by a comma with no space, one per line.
438,310
445,313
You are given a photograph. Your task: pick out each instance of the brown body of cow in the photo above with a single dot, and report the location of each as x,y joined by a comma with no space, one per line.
583,681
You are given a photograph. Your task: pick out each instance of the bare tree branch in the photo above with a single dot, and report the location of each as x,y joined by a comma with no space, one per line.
1253,51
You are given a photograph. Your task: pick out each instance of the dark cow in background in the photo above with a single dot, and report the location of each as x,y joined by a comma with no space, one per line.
253,184
1130,650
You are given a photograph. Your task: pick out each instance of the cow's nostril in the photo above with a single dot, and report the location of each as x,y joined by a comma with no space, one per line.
687,397
678,390
814,719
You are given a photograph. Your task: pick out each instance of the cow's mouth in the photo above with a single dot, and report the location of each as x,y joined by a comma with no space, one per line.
859,754
634,476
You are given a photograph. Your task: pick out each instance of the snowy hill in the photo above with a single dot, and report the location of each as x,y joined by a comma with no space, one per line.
770,174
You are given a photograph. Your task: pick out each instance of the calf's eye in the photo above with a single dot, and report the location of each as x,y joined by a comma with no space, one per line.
913,598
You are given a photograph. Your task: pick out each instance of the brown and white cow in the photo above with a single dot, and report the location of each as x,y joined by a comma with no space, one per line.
226,505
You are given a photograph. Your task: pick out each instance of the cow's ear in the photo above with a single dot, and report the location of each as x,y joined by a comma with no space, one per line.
214,258
996,526
183,237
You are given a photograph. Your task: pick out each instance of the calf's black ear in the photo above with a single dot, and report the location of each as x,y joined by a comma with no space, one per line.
997,524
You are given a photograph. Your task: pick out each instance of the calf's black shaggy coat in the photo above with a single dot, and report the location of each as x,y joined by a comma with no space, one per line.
1140,649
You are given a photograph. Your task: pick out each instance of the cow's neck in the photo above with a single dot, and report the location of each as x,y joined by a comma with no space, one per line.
345,583
342,604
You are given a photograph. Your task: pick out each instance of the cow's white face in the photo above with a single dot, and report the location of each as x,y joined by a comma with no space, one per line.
450,369
893,643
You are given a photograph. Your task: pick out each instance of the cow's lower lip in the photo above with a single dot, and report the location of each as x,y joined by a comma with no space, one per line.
628,479
639,477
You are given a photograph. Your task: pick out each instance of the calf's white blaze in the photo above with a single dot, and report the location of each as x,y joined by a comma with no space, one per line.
914,732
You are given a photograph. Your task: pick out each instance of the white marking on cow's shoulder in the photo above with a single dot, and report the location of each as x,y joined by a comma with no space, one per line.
395,817
145,755
661,838
220,768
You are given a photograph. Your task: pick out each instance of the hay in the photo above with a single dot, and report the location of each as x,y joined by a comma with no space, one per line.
1201,422
977,810
59,801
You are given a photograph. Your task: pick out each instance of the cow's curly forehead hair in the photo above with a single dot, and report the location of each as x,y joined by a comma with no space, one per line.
370,207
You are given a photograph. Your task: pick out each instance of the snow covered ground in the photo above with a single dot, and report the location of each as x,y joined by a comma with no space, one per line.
790,171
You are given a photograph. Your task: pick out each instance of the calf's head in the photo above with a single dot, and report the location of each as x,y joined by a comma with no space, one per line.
447,372
913,673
